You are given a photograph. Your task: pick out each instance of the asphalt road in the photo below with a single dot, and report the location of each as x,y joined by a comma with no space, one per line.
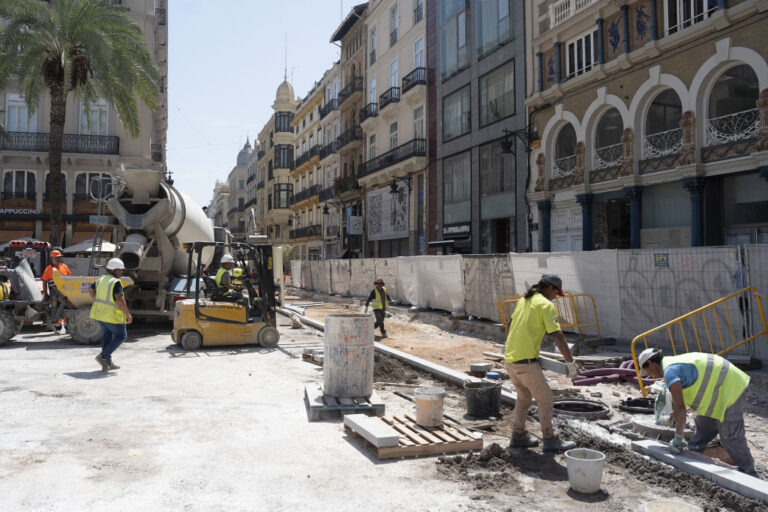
220,429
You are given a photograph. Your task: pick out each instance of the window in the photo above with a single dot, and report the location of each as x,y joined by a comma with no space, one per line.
453,36
87,184
283,195
372,90
493,178
497,94
93,119
665,113
582,55
19,184
241,203
418,53
371,147
241,185
680,14
393,135
418,11
456,114
492,24
393,74
418,123
373,46
17,117
736,90
394,15
456,189
283,158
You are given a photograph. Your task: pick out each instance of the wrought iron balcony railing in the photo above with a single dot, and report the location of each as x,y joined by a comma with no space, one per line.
368,111
609,156
563,167
352,134
81,197
341,185
157,152
306,194
260,185
354,85
328,149
160,14
326,194
660,144
306,156
391,95
22,195
307,231
250,178
732,127
73,143
260,154
250,202
231,211
414,147
563,10
414,78
329,107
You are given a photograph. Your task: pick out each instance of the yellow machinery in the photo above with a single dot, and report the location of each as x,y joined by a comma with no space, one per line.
221,319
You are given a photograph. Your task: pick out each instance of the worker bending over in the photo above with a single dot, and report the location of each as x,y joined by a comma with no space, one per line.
380,299
535,316
111,311
714,388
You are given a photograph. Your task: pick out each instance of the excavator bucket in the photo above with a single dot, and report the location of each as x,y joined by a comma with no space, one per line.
75,288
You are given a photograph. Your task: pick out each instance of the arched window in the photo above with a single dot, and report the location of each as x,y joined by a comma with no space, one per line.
49,186
663,135
565,147
19,184
92,184
609,151
732,109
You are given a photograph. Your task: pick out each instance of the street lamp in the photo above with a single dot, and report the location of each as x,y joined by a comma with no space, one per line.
326,212
393,187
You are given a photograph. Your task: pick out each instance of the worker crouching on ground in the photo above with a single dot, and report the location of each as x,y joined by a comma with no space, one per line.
380,299
534,316
48,284
111,311
228,290
714,388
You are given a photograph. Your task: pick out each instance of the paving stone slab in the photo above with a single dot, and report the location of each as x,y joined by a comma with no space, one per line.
375,431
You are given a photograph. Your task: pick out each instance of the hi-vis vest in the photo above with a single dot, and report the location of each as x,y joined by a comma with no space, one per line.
237,276
717,387
378,302
104,308
219,274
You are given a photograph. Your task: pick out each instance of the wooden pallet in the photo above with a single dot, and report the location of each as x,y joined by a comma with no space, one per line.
418,441
319,403
312,358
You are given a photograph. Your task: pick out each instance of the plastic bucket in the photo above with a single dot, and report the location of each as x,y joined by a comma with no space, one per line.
483,398
670,506
585,469
429,406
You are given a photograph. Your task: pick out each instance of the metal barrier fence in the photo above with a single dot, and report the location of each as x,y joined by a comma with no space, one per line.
714,328
575,311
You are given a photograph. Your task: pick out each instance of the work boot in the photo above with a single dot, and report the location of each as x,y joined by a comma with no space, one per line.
383,334
113,366
555,444
523,441
102,362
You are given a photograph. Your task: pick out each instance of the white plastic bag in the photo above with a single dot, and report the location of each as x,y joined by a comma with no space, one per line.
663,406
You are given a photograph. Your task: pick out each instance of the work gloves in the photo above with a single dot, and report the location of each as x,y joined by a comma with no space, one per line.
572,369
677,444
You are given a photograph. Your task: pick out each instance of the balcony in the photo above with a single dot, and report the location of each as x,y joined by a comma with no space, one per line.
342,185
563,10
415,147
663,144
231,211
81,197
306,156
731,135
157,152
609,156
416,77
73,143
328,150
329,107
305,194
393,38
564,167
250,178
260,185
326,194
369,111
250,202
160,14
391,95
354,86
306,232
30,196
353,134
260,154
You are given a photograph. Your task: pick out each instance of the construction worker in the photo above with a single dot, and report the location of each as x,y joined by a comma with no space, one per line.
111,311
48,285
380,299
237,277
227,290
534,316
714,388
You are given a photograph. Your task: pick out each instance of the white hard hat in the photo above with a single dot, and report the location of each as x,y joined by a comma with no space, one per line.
227,258
115,264
643,358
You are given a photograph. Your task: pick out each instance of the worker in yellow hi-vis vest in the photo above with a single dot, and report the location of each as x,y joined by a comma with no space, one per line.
714,388
380,300
111,311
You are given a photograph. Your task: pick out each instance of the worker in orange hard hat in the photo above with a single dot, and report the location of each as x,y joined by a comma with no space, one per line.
47,278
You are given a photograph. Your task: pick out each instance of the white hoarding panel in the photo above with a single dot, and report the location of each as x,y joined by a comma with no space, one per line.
387,213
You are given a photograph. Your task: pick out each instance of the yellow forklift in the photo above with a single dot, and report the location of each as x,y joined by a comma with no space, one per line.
218,318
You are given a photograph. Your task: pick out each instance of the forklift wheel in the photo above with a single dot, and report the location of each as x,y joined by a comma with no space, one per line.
268,337
191,340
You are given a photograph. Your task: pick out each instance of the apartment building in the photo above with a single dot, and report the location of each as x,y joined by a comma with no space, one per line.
393,120
653,123
478,130
91,149
220,205
351,34
236,180
330,128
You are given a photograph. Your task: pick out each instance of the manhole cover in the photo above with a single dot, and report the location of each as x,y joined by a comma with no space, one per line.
588,409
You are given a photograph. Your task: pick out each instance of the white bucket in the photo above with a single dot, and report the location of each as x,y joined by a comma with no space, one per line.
585,469
429,406
670,506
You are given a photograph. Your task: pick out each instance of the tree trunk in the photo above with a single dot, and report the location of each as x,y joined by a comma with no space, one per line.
55,146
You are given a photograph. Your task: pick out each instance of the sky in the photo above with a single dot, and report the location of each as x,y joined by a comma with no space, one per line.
226,60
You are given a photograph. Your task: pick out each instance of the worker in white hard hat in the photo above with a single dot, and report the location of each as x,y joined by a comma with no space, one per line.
227,289
714,388
111,311
535,315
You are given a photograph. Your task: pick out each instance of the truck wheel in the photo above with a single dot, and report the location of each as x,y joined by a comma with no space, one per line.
268,337
191,340
82,328
9,327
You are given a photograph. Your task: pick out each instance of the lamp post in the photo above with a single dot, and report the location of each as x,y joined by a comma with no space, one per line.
326,212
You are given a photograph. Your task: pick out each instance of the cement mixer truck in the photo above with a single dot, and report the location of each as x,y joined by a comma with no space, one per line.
152,221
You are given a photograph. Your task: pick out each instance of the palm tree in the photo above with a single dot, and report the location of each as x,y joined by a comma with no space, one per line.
90,48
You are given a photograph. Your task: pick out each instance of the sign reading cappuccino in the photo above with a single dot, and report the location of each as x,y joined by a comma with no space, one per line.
19,211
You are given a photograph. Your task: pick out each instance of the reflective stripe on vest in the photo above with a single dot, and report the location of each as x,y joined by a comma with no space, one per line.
104,308
378,300
711,394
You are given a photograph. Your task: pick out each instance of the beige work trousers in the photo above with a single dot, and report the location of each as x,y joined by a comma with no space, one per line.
530,383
